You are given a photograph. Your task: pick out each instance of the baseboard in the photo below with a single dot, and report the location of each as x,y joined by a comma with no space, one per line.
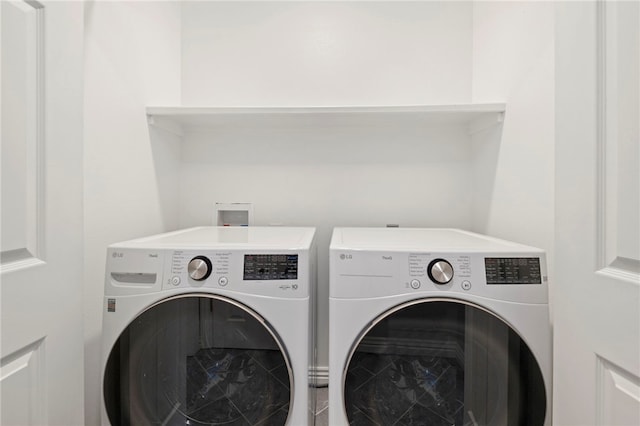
319,375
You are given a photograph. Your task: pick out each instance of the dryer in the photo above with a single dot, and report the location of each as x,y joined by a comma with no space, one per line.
210,325
437,327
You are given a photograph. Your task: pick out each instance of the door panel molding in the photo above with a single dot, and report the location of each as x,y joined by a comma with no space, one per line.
23,373
23,146
618,396
618,93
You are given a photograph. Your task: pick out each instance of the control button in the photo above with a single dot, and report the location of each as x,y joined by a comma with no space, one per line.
199,268
294,286
466,285
223,281
415,284
440,271
175,280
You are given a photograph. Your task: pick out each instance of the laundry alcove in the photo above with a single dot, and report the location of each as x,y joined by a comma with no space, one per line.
410,166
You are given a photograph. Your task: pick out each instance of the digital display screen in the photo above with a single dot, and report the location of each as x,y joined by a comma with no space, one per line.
513,270
270,266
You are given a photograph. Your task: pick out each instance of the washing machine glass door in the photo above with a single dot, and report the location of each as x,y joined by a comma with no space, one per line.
442,363
198,360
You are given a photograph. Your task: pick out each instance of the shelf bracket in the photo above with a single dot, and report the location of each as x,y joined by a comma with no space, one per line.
165,124
484,123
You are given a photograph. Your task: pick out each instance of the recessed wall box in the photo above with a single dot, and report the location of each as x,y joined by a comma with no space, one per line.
233,214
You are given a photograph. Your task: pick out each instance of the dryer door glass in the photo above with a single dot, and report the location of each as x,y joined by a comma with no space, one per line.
197,360
443,363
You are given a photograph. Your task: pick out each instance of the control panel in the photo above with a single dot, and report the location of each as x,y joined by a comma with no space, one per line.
508,276
253,272
270,266
512,270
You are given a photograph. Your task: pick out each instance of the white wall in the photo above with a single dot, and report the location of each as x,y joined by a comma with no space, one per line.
328,53
513,60
325,53
132,58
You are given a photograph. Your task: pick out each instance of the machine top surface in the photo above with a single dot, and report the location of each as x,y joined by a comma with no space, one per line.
421,239
215,237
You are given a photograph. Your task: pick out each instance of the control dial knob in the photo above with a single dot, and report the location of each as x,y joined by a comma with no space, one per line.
440,271
199,268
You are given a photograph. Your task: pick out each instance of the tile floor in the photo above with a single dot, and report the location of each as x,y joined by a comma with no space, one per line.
322,403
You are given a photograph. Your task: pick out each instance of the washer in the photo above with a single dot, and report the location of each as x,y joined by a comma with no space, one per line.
437,327
210,325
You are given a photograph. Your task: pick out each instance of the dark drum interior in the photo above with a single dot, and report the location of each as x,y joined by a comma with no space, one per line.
197,360
443,363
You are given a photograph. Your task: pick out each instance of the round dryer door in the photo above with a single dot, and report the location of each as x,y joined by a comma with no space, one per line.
198,360
443,363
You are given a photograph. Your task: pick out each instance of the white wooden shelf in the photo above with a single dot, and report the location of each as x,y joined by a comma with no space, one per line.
181,119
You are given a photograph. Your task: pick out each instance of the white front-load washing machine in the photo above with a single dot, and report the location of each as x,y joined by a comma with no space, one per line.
210,326
437,327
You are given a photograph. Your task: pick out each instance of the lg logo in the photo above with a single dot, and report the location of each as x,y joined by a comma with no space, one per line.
117,255
346,257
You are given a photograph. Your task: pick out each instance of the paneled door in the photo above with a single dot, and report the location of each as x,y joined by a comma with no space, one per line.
41,371
597,281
